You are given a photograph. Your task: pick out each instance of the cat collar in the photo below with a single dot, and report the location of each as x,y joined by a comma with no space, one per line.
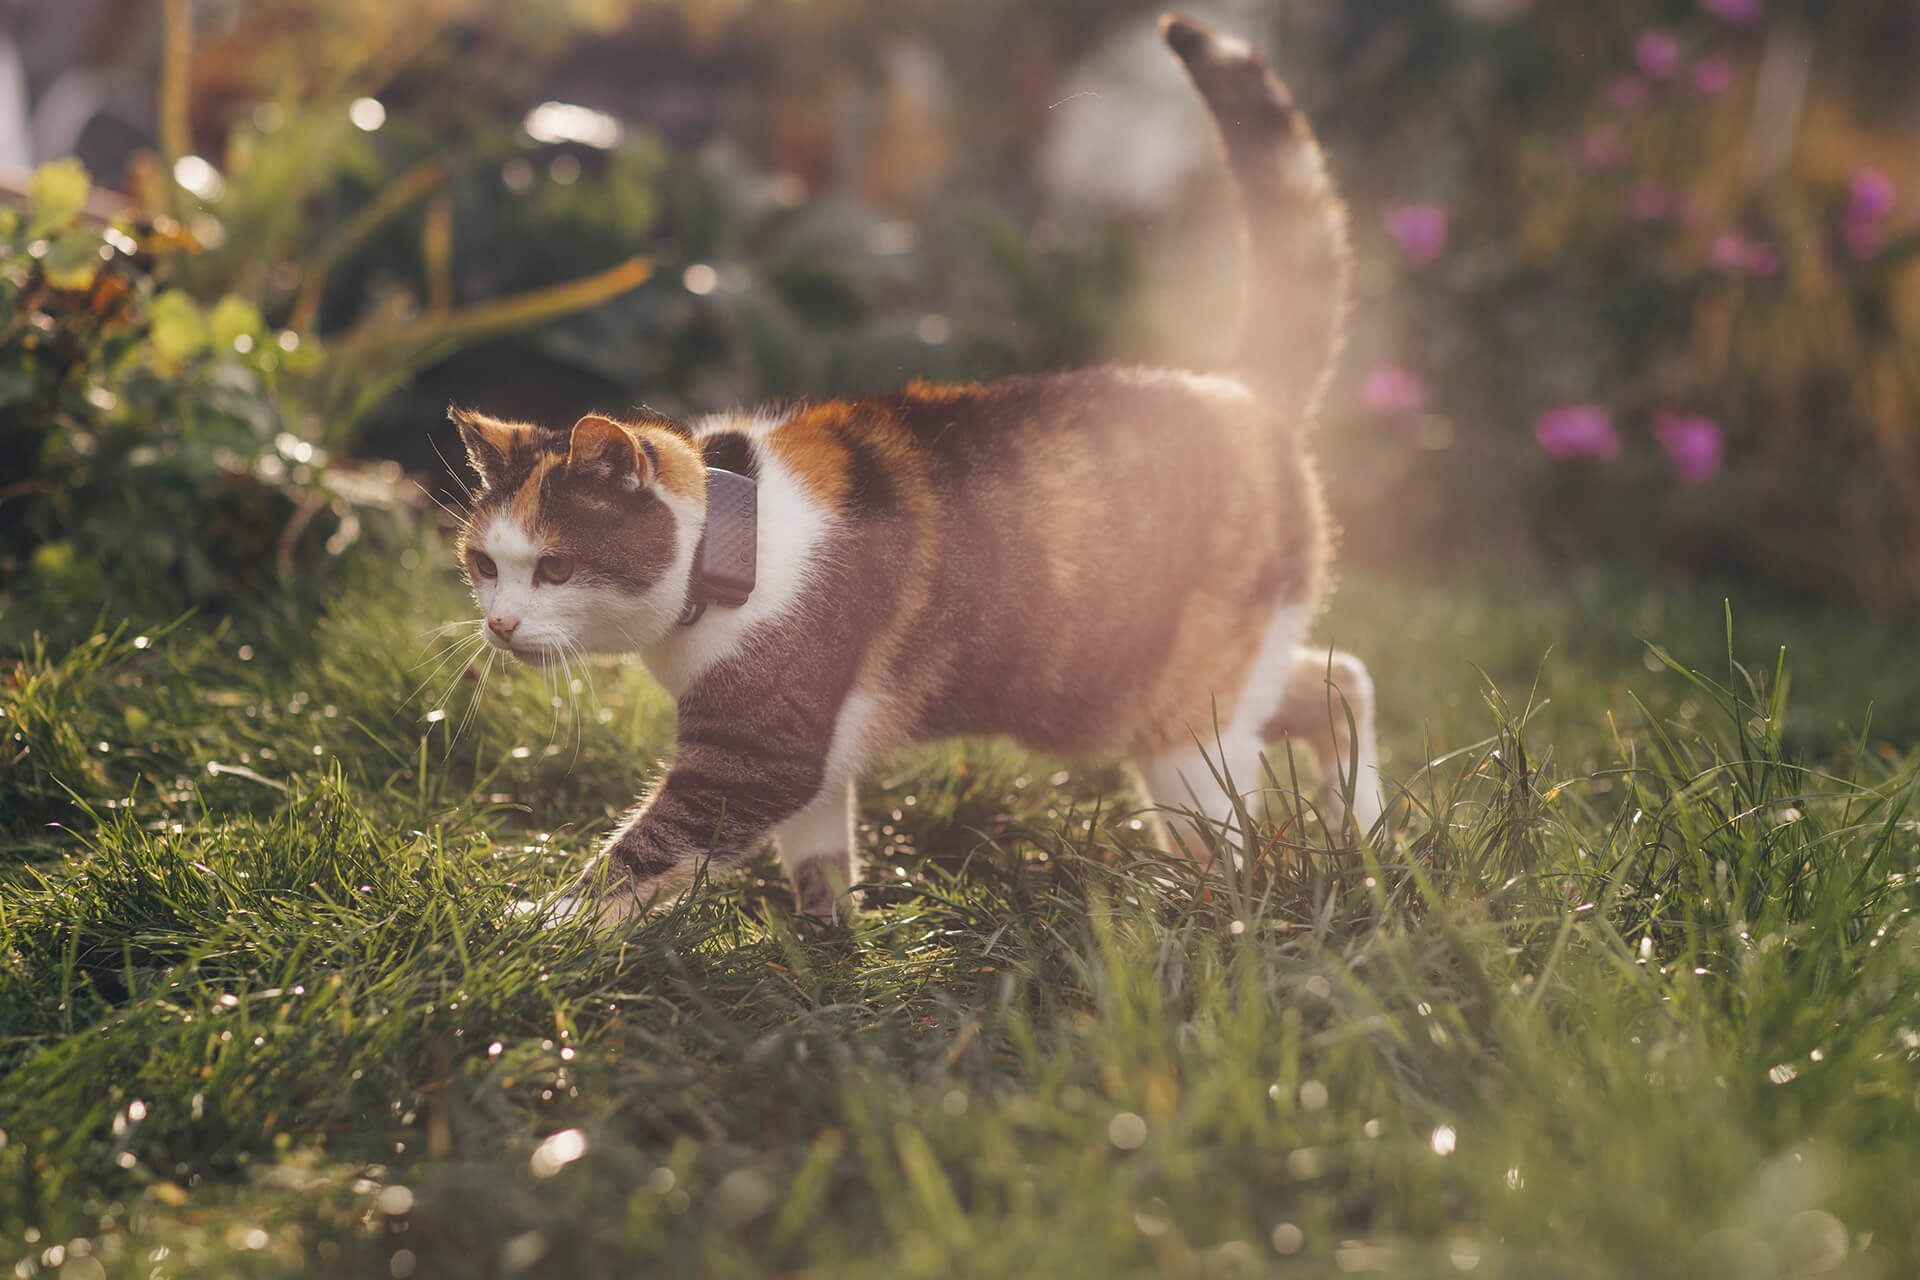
723,562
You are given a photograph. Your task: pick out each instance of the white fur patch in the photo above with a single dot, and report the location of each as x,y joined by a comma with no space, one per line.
575,617
792,526
1272,669
824,827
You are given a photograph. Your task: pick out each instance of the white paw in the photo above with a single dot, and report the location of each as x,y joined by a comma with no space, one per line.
606,911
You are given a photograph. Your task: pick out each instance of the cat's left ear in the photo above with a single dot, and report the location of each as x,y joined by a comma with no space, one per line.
602,450
487,442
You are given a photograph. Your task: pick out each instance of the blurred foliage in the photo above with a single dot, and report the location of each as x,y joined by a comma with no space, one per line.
1663,211
1646,215
146,452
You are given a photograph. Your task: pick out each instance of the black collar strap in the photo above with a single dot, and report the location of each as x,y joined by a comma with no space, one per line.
723,562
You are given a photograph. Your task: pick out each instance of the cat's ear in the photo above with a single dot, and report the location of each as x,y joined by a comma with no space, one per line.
487,442
602,450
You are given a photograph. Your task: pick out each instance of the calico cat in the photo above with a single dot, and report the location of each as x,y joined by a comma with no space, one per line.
1116,559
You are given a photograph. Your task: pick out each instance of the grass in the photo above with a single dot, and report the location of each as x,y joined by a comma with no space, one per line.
1634,986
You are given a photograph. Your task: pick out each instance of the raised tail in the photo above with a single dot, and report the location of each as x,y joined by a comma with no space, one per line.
1294,226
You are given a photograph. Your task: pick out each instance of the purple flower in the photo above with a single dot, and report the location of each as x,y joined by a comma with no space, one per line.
1695,445
1656,53
1577,431
1873,195
1392,391
1713,75
1602,148
1420,230
1871,199
1626,91
1738,12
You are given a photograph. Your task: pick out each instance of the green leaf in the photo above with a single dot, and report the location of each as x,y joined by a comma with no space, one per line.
178,329
234,318
53,559
56,194
74,260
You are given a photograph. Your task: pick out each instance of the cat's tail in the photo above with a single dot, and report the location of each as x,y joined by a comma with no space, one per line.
1297,261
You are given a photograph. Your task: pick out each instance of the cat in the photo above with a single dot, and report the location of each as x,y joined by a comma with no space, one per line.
1114,559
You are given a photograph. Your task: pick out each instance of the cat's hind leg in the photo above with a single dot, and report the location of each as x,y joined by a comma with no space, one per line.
1196,789
817,849
1321,691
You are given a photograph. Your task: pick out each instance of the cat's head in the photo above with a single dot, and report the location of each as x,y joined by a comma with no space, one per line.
580,540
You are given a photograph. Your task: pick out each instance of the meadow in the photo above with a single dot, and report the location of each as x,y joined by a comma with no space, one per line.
1630,982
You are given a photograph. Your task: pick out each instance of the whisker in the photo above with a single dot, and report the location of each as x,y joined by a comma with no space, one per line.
453,513
473,702
462,649
460,672
445,627
454,473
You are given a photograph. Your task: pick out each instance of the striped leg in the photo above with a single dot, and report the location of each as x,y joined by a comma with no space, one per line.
717,804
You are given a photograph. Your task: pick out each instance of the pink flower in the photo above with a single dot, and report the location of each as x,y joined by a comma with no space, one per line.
1577,431
1602,148
1392,391
1739,253
1420,230
1873,195
1738,12
1713,75
1656,53
1626,91
1871,199
1694,445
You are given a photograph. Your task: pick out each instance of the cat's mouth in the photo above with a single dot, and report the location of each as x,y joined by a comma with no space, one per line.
535,657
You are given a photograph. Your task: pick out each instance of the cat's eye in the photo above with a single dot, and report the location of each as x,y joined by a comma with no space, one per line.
554,569
483,564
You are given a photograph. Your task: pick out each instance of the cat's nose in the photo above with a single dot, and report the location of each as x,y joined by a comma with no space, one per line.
503,627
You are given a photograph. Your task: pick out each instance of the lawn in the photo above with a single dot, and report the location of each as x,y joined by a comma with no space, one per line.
1632,984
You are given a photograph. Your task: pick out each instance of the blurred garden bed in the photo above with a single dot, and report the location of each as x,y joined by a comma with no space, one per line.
1636,282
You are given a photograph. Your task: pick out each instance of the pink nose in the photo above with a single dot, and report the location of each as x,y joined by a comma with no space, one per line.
503,627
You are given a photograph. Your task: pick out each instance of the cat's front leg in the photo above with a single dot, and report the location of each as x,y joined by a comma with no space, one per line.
817,849
708,812
747,759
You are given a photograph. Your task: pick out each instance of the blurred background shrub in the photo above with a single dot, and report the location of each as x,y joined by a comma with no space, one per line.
1636,279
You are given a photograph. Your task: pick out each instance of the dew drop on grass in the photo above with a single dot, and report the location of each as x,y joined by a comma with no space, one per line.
1127,1131
1444,1140
1313,1096
1288,1239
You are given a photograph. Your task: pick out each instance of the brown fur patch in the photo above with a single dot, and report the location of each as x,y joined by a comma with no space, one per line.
808,445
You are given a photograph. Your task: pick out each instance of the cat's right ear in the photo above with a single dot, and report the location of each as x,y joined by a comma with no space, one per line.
601,449
487,441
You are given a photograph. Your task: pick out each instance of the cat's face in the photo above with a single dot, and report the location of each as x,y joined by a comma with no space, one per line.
579,541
